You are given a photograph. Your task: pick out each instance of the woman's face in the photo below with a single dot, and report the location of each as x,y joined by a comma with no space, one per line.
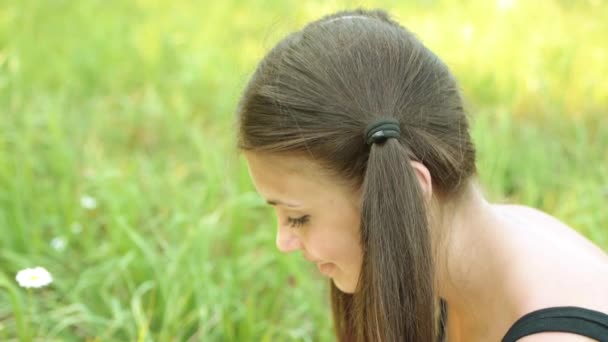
315,215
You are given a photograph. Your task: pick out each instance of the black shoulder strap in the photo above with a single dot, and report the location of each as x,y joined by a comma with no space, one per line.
443,320
571,319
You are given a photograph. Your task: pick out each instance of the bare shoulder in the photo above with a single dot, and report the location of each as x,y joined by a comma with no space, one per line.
554,265
547,231
539,234
555,337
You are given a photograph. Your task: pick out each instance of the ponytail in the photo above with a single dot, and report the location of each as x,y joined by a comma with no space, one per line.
396,302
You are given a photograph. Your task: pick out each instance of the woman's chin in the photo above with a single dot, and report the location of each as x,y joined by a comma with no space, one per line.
344,287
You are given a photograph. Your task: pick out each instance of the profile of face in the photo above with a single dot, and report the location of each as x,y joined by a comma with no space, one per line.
315,215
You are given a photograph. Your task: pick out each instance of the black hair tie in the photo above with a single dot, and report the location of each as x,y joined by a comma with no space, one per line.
379,131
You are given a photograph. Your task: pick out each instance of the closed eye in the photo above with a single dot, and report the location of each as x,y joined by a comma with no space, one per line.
298,222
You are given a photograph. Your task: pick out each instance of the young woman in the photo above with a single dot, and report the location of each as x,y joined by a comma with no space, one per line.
355,132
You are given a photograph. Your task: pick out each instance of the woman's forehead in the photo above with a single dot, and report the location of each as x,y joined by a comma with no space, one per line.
279,175
296,180
283,164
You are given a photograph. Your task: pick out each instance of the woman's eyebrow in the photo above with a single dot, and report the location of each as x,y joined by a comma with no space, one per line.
275,202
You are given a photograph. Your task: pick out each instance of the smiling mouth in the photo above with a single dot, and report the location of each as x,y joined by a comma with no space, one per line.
325,268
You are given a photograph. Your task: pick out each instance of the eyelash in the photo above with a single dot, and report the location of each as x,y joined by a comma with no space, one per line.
297,222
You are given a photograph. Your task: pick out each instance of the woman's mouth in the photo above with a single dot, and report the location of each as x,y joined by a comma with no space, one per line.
326,268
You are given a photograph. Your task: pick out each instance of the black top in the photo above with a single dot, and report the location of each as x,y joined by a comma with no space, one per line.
571,319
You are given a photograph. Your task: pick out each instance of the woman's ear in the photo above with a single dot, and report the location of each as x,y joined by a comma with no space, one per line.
424,179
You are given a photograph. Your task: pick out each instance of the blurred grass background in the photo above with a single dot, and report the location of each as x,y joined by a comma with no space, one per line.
131,103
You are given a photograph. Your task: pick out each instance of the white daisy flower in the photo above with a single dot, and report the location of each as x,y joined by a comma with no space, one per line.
59,243
34,277
88,202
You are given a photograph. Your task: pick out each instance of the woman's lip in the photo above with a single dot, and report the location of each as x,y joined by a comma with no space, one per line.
325,268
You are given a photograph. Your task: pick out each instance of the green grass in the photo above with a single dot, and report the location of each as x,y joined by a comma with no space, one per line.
132,103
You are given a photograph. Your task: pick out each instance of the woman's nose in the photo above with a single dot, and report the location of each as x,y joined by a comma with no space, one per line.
287,241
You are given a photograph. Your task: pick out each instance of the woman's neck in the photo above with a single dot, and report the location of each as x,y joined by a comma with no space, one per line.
471,260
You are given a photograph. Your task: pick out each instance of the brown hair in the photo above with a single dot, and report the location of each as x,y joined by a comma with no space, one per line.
313,95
